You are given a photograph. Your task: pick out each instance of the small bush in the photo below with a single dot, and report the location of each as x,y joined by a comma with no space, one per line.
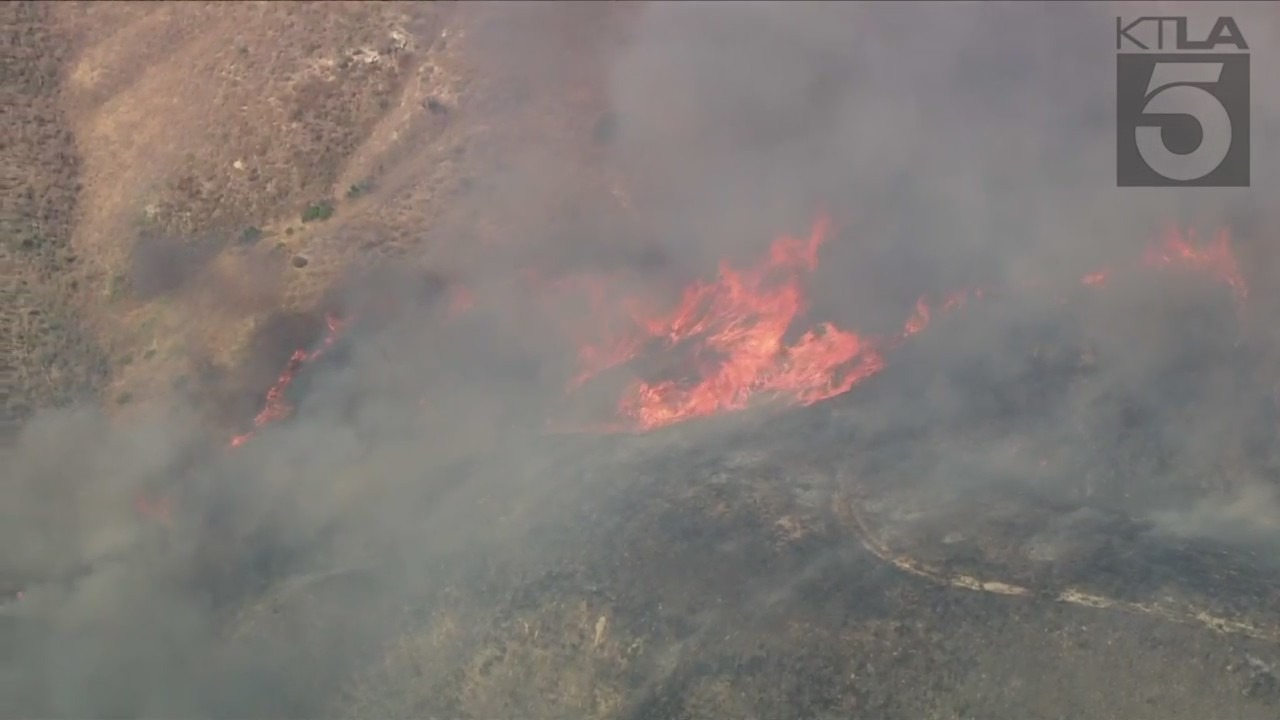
118,286
322,210
250,235
359,189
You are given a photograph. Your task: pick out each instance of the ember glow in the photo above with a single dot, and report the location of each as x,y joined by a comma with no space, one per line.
159,509
460,301
1183,250
1179,250
1096,278
276,406
919,319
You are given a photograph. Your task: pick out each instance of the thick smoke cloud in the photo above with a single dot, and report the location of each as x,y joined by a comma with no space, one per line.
960,145
955,145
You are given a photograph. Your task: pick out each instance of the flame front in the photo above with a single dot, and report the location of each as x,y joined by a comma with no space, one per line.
276,406
740,322
735,329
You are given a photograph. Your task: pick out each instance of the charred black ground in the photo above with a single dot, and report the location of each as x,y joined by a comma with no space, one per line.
710,566
726,580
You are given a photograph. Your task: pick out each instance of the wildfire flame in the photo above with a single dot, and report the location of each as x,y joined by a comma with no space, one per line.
276,406
735,329
737,326
1180,249
1183,250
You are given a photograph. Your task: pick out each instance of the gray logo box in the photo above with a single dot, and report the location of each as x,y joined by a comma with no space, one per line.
1182,120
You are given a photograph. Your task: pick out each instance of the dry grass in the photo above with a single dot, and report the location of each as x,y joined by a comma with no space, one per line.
150,136
559,660
45,359
153,136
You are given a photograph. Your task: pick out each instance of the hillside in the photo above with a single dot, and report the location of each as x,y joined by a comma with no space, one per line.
624,361
188,180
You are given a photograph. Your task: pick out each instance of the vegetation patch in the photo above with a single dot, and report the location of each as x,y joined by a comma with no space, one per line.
322,210
359,189
250,235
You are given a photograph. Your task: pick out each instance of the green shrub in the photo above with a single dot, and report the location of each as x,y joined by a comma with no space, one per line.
322,210
359,189
251,235
118,286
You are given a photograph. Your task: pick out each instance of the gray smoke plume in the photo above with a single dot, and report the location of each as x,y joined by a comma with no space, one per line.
954,145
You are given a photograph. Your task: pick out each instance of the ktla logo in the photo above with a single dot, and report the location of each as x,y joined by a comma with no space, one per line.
1182,118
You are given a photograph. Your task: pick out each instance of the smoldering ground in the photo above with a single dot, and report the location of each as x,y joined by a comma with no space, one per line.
955,145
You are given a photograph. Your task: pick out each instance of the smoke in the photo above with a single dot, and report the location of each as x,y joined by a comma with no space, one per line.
961,145
955,146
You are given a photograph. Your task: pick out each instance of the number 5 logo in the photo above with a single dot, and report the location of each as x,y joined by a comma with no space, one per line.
1182,119
1175,89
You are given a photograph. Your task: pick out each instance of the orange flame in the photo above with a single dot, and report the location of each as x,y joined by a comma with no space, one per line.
740,321
737,325
1217,258
276,406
